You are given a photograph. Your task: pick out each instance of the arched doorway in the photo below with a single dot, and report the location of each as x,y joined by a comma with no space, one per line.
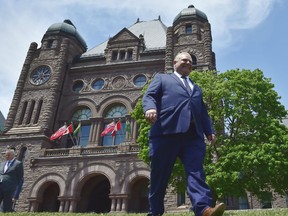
138,199
94,196
50,202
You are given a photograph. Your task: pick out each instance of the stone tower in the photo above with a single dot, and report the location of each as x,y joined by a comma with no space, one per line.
191,32
41,80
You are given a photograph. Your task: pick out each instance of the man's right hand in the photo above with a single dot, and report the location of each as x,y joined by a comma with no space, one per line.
151,115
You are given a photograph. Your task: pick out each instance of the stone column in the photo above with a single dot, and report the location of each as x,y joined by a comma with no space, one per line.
118,206
67,205
124,204
98,131
72,206
113,205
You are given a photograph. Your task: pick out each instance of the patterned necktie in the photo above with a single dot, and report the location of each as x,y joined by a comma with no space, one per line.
187,84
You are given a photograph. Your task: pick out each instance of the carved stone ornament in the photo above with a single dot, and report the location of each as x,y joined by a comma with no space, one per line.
118,82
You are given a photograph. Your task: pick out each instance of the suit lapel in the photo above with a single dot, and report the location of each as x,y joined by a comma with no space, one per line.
2,167
179,82
10,165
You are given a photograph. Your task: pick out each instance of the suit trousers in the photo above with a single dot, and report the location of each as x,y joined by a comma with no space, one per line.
6,200
164,150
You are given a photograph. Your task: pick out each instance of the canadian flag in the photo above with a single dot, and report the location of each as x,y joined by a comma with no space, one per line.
116,128
69,129
109,128
61,132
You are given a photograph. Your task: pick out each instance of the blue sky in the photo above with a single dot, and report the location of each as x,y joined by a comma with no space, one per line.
246,34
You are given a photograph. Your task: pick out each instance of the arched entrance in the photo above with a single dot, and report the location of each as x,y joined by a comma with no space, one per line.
94,196
138,199
50,202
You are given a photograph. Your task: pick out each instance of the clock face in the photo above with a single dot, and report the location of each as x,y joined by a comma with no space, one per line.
40,75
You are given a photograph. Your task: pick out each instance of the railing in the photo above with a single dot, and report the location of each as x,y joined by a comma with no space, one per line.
97,150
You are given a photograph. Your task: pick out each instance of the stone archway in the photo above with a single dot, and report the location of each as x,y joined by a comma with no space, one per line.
138,199
49,198
94,195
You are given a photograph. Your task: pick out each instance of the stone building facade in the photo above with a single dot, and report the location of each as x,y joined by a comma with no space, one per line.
63,83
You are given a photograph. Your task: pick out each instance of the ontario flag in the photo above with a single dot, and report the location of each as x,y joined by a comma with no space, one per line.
109,128
116,128
61,132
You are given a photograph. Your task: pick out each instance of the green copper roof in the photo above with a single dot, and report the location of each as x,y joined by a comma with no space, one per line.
68,28
190,12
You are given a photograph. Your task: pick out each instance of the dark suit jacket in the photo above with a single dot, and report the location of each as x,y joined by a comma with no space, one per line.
12,177
168,95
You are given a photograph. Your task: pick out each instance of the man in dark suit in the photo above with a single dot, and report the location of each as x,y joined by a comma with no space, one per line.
174,106
11,174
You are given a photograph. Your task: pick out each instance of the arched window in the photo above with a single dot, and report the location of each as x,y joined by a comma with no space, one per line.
81,116
194,60
23,111
115,114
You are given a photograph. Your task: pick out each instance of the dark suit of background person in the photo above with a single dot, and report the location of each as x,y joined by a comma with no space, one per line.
9,179
179,122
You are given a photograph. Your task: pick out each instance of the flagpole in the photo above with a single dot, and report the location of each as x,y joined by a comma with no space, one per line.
72,139
79,135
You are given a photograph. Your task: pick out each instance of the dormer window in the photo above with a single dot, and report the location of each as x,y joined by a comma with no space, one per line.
129,54
114,55
188,29
122,55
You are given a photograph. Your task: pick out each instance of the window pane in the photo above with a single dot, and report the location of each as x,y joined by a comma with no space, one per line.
122,55
98,84
116,112
84,136
243,203
140,80
114,55
82,114
78,86
188,29
129,54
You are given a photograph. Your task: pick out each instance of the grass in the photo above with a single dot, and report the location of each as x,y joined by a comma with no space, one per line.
266,212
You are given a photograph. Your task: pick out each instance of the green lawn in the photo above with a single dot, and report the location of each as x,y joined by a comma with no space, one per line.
270,212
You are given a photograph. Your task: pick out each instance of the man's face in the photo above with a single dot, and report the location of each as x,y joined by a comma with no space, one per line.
183,64
9,156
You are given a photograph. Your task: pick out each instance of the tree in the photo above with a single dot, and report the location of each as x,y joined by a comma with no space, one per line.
252,145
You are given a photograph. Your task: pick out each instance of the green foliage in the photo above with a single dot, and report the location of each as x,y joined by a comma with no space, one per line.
144,127
252,145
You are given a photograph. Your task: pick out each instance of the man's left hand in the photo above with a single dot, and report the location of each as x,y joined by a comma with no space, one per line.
212,139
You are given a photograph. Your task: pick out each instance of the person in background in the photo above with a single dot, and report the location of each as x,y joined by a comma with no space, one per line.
11,175
174,105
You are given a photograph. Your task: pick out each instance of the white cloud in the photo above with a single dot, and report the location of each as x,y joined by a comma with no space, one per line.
25,21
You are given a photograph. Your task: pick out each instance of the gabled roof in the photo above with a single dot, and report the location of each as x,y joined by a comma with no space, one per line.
126,33
154,33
